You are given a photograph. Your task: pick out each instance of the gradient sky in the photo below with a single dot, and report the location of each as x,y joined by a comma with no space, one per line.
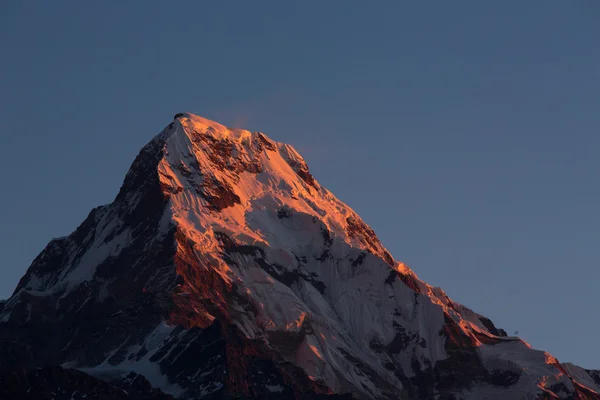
466,133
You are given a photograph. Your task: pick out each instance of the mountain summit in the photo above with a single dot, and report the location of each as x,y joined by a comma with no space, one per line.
223,269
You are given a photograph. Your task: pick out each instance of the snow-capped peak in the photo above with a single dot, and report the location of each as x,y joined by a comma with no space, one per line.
222,249
242,174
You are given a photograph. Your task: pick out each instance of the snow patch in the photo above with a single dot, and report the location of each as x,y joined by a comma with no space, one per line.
150,370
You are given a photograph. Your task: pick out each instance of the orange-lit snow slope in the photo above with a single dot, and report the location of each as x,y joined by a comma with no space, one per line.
261,246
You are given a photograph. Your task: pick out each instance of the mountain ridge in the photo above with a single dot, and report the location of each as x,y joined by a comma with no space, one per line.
223,236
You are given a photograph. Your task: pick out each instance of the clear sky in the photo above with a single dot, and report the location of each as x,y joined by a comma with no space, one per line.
466,133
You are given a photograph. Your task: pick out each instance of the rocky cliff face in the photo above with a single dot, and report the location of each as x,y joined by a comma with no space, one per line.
224,269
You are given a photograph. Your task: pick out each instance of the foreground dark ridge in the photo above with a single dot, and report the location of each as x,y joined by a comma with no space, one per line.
224,269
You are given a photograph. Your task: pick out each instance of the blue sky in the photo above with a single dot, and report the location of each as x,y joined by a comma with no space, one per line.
466,133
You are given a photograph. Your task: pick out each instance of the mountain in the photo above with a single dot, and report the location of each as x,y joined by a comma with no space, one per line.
223,269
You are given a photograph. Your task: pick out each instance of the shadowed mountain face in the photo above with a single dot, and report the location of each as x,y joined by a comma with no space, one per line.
223,269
